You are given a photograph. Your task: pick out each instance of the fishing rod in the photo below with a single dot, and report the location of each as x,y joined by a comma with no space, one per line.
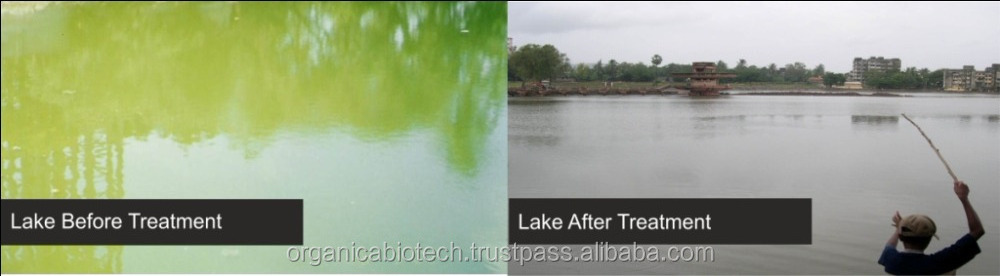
938,152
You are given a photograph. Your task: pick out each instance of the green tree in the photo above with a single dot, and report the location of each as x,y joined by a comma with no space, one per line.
656,60
565,68
935,79
535,63
820,70
611,71
796,72
911,78
877,80
721,66
831,79
582,72
635,72
599,70
742,64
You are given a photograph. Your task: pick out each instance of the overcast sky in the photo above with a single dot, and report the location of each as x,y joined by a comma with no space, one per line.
932,35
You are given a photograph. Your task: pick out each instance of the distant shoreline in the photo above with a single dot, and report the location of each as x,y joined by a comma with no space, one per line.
515,89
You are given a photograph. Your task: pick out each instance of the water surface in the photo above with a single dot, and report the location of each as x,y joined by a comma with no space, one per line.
388,119
854,156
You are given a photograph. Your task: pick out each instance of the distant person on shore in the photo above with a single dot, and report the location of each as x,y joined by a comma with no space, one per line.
916,231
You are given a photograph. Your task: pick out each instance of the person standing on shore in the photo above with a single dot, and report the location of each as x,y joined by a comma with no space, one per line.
916,231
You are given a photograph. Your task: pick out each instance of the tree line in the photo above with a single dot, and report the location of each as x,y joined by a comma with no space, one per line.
911,78
534,62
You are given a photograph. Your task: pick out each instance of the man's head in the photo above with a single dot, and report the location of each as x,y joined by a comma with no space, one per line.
916,231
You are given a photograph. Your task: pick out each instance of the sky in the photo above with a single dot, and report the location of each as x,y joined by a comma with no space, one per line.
922,35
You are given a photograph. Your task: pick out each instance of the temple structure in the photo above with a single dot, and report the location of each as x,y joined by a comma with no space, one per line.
704,79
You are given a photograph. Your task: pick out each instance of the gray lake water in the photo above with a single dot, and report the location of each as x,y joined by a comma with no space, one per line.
854,156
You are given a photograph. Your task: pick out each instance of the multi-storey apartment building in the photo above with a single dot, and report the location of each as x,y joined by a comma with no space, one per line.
968,79
863,66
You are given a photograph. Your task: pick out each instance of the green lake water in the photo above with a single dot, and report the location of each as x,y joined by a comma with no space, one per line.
387,119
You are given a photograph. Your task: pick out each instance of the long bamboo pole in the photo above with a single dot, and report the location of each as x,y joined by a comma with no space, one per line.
938,152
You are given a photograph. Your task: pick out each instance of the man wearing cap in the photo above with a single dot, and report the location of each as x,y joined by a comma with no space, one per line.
916,231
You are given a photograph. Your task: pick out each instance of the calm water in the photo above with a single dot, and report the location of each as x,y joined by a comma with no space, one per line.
854,156
388,119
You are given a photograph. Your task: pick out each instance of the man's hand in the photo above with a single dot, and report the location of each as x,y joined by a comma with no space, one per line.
975,225
894,239
961,190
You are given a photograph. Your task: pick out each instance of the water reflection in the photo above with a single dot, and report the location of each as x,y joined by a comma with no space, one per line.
538,127
55,159
874,120
81,79
721,118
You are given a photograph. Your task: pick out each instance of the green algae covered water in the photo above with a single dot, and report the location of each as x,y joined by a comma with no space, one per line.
387,119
